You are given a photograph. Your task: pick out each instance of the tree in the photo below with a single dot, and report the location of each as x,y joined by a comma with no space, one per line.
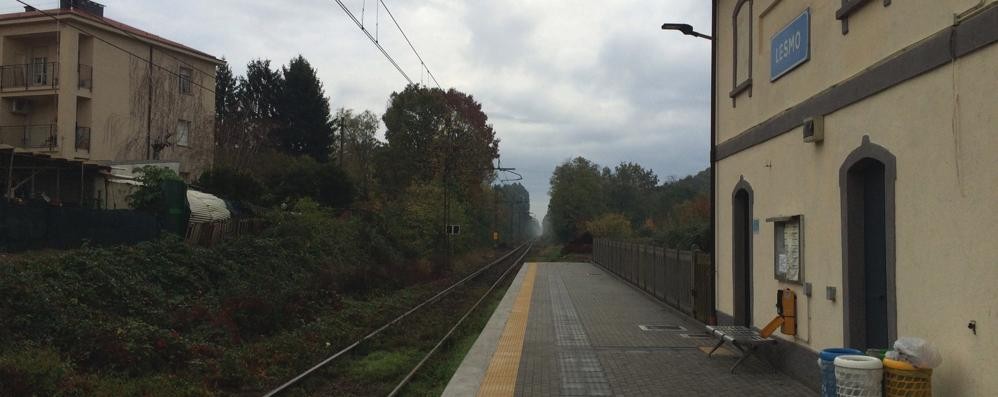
231,183
260,92
359,144
303,110
432,134
246,116
512,211
577,196
630,191
613,226
226,94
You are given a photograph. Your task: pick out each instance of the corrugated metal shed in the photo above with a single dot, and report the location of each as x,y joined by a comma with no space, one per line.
206,208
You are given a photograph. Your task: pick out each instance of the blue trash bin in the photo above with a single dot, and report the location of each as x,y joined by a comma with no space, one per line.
826,361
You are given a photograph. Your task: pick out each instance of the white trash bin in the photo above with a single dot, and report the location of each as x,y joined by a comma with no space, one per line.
859,376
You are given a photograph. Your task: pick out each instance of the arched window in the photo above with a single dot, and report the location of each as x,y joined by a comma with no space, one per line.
742,48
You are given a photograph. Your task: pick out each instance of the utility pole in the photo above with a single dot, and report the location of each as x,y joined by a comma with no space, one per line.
495,205
343,140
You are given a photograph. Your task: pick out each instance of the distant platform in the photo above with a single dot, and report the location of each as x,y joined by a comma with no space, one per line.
572,329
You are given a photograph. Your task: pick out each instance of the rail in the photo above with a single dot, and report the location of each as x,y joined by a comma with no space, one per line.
26,76
460,321
524,247
681,279
30,136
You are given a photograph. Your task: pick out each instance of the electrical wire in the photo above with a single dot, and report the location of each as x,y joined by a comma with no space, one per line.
149,61
406,37
373,40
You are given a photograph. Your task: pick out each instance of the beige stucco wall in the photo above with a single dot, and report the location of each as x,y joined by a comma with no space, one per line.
946,217
117,106
875,32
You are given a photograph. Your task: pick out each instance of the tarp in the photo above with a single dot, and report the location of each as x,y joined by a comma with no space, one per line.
206,208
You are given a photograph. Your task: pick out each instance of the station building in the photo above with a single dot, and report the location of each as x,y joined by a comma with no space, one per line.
855,149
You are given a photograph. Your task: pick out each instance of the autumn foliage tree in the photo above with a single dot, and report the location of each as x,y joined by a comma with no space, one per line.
601,202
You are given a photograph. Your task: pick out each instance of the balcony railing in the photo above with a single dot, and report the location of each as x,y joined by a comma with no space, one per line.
83,138
38,136
35,75
86,73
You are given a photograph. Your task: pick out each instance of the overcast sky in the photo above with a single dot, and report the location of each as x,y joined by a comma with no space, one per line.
558,78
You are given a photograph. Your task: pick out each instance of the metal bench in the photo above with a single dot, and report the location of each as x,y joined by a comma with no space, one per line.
745,339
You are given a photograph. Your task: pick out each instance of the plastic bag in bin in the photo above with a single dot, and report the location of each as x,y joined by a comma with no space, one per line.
916,351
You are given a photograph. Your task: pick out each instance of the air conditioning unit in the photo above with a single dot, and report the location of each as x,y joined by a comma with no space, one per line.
20,106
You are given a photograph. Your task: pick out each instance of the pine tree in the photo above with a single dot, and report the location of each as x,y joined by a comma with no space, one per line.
303,111
226,101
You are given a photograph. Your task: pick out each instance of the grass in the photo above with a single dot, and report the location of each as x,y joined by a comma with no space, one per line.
376,366
434,376
554,253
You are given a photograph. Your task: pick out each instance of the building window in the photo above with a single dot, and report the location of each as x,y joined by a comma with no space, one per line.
40,71
183,133
186,80
742,48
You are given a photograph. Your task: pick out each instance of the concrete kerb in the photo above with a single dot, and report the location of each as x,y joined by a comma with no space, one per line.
469,375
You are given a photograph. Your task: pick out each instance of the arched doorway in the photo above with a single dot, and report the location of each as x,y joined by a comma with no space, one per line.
867,183
741,251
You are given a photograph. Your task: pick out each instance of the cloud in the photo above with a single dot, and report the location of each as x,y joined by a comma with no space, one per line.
558,78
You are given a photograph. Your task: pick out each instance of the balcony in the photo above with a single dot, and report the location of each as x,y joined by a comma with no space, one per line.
29,76
39,136
40,76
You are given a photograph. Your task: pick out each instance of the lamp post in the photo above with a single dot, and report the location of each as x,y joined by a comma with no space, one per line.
687,29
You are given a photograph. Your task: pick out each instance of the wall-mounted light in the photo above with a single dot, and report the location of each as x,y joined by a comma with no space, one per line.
686,29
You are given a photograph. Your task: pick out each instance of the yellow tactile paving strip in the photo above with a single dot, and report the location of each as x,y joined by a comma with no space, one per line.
500,378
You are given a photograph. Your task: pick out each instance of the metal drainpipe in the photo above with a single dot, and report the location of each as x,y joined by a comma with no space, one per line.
713,150
149,111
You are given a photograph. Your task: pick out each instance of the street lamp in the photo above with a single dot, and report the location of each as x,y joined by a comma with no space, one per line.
686,29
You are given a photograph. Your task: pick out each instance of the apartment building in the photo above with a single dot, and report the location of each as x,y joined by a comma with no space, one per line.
75,84
855,155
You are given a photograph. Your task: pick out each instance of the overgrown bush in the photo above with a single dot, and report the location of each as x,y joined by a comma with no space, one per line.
135,314
231,184
150,197
288,178
613,226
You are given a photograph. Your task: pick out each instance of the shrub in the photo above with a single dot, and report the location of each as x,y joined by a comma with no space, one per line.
289,178
32,371
231,184
150,197
614,226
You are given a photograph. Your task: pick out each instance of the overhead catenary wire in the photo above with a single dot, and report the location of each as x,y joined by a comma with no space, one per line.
373,40
149,61
406,37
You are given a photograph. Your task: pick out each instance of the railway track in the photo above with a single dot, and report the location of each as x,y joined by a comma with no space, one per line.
410,340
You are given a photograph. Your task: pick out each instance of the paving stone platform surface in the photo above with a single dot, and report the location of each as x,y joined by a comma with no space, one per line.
583,338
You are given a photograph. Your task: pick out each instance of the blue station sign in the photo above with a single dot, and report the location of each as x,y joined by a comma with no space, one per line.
791,46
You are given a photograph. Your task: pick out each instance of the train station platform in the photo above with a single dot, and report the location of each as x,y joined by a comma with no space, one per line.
572,329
